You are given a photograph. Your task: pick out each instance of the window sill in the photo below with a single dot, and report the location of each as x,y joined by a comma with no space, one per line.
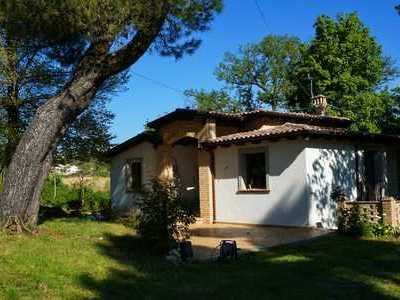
254,191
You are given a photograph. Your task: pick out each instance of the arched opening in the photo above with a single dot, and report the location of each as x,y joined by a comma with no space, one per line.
185,167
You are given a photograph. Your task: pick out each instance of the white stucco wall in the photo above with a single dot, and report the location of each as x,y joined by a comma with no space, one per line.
329,165
302,175
121,199
287,202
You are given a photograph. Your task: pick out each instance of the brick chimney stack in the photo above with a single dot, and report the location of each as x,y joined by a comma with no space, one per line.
320,104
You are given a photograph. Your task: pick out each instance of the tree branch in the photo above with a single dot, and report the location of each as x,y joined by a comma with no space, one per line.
140,43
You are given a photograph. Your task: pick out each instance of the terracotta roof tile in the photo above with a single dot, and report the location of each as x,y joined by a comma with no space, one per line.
244,116
291,129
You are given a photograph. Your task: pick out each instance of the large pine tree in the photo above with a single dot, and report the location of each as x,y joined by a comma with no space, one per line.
103,38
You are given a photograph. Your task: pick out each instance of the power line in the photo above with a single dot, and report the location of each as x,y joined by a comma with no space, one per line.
260,11
179,91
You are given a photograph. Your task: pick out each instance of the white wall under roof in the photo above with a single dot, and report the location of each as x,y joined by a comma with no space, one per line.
122,200
287,202
329,165
301,179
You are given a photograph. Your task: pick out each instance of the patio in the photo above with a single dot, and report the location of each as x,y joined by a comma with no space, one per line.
206,237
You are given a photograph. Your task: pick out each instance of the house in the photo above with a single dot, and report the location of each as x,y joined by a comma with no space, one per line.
259,167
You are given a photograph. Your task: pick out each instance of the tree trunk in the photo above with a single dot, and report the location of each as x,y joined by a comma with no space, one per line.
12,131
32,159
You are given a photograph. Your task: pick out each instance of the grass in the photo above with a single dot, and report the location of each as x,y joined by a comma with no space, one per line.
76,259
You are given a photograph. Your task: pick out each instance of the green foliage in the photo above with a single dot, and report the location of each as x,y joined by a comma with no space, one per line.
29,76
76,259
258,75
347,65
215,100
384,230
93,167
352,222
129,218
57,194
71,25
42,43
164,215
343,60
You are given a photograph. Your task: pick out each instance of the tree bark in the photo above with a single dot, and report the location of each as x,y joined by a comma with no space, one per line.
12,131
32,159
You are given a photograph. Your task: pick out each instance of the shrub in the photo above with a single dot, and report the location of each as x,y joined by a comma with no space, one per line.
95,201
56,194
129,219
164,215
385,230
351,221
78,198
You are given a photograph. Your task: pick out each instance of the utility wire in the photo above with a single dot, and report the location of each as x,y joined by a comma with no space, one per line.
162,84
260,11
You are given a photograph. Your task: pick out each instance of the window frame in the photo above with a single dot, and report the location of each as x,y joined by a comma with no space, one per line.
242,170
128,175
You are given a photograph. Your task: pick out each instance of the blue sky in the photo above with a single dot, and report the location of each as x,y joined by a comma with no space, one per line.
239,23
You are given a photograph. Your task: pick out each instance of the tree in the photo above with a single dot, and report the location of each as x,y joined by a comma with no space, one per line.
347,65
214,100
259,74
390,122
27,78
104,38
88,137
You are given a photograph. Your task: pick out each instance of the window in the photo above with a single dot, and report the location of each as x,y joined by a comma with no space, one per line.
253,169
374,170
134,175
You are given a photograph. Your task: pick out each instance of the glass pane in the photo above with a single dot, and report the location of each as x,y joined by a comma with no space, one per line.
136,169
255,171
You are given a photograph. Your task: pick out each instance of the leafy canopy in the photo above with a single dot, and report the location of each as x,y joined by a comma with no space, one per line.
259,74
45,45
343,61
70,26
347,65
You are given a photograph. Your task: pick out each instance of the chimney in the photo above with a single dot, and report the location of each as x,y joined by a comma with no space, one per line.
320,104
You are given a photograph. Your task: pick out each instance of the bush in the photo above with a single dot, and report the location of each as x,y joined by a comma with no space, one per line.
164,215
385,230
56,194
74,198
351,221
129,219
95,201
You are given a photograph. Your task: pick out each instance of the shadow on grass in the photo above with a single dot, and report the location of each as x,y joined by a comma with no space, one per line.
328,268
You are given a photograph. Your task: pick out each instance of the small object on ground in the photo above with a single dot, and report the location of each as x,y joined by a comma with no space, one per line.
228,250
100,217
174,256
185,249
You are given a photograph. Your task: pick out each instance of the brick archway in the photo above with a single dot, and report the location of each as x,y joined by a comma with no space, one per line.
177,130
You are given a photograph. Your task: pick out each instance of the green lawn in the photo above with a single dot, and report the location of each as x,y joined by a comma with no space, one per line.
73,259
